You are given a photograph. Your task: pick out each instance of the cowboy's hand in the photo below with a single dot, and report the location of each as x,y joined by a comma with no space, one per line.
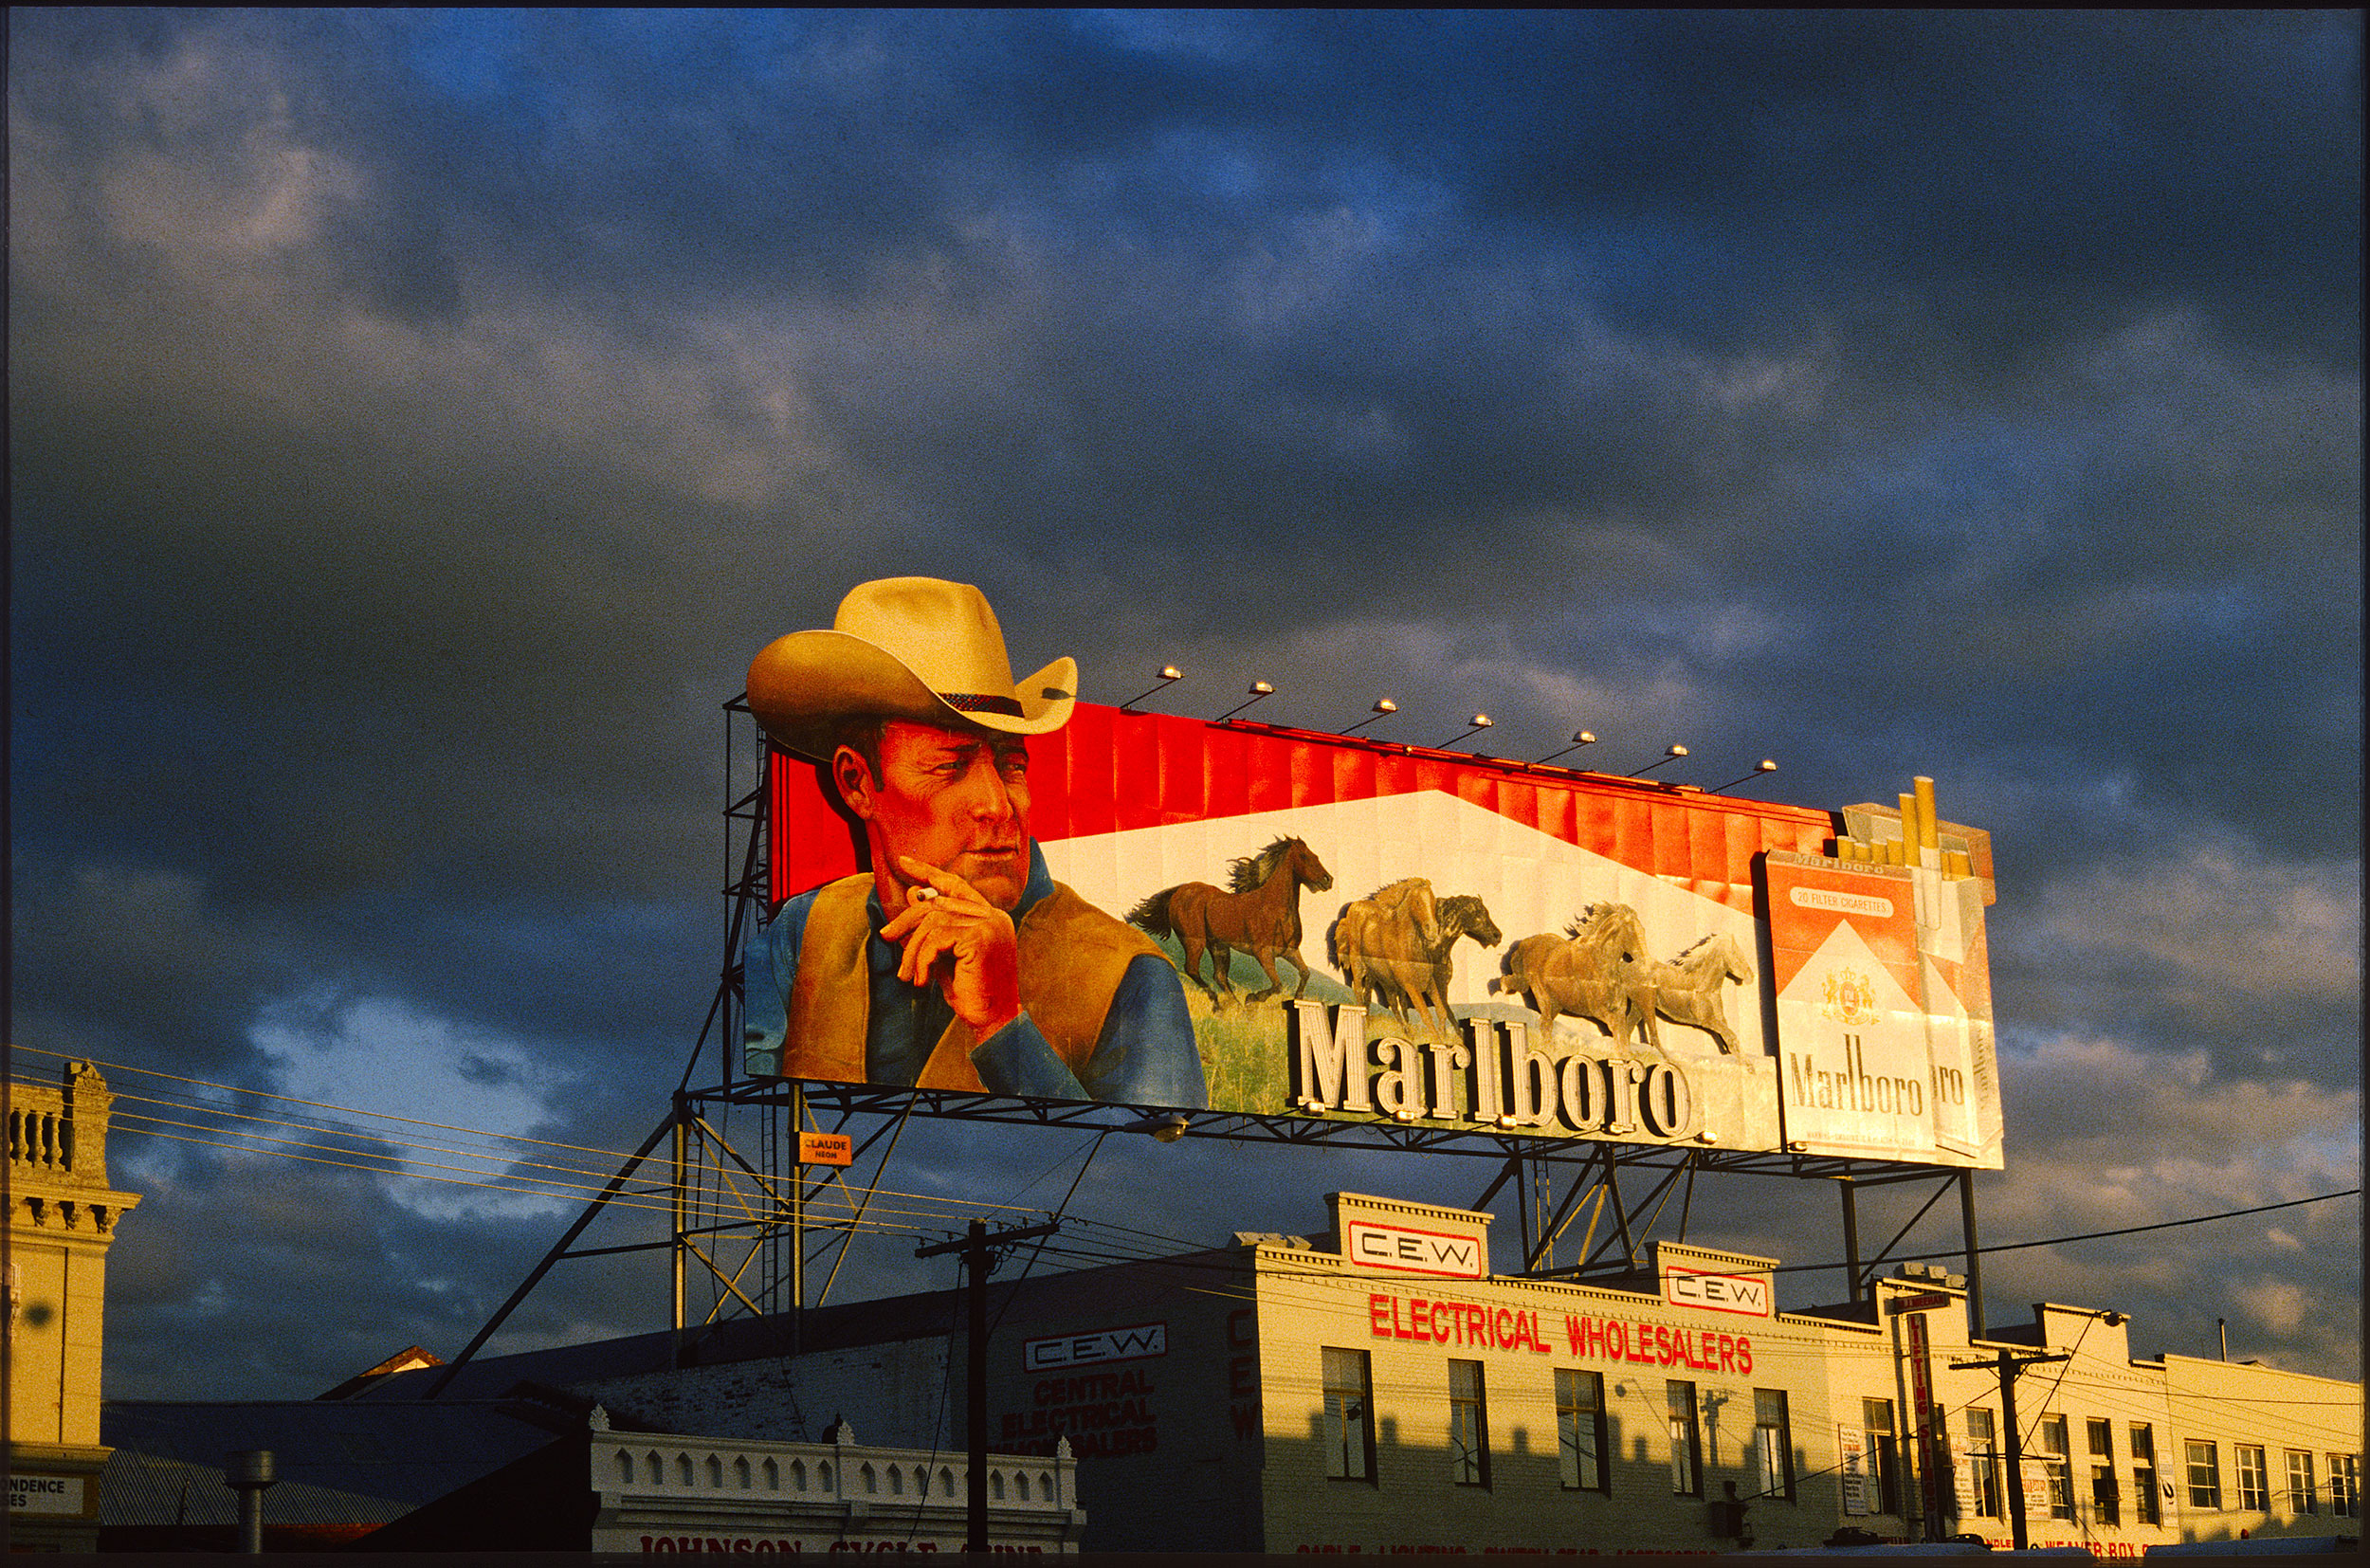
961,942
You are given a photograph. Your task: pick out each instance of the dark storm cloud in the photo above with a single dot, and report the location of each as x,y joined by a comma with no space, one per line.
418,419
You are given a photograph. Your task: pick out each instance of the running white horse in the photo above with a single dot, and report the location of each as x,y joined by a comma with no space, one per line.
1692,988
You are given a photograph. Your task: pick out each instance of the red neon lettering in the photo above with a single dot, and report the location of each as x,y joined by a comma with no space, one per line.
1745,1354
1379,1309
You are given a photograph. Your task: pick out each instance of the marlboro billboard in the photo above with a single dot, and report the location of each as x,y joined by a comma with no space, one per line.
1244,918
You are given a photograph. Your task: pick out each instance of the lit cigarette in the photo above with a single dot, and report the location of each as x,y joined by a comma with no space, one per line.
924,895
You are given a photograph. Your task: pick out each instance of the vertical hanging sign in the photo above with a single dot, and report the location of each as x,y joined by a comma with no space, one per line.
1851,1467
1921,1411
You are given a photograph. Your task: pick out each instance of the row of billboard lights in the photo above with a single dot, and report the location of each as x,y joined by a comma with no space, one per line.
1384,707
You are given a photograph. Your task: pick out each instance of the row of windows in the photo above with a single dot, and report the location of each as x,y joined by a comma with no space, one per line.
2301,1495
1586,1458
1581,1441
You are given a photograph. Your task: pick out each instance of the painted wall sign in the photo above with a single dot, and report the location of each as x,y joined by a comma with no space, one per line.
1103,1344
1633,1341
1354,930
45,1494
1748,1295
1406,1249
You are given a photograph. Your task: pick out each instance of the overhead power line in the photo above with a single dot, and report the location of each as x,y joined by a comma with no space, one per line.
2098,1235
931,1211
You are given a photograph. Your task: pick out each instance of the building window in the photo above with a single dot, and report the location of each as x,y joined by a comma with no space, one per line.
1581,1430
2255,1482
1883,1459
2345,1485
2059,1464
2301,1498
2146,1509
2205,1476
1349,1415
1983,1464
2106,1502
1773,1444
1469,1426
1686,1442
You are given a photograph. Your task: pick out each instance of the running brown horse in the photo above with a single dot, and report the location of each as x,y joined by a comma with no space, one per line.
1597,969
1261,915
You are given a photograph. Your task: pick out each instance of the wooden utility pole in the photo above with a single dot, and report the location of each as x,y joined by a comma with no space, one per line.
2009,1366
979,1256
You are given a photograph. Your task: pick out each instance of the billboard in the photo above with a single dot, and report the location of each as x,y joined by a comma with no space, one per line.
1285,923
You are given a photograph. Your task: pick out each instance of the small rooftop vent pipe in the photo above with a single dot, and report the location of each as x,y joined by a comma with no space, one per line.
251,1475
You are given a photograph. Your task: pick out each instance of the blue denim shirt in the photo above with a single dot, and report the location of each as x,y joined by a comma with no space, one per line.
1144,1056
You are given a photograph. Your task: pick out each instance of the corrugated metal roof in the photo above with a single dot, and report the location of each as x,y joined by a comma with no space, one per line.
936,1314
142,1488
932,1315
344,1462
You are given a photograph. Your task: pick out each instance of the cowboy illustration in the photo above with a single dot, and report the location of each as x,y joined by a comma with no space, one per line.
957,962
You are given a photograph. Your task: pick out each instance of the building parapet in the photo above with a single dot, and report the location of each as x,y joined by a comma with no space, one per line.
656,1484
60,1134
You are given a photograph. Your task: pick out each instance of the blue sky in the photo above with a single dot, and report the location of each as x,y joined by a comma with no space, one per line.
419,418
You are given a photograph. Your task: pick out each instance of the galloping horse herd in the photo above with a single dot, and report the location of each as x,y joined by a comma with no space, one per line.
1394,947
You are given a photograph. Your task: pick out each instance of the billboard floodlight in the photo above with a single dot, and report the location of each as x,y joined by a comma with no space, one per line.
1258,689
1169,674
1579,739
1384,707
1766,765
1674,754
1474,725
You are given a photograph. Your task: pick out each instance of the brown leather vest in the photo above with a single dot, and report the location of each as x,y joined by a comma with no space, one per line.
1072,957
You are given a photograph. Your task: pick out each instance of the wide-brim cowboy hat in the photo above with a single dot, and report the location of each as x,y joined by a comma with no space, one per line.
904,647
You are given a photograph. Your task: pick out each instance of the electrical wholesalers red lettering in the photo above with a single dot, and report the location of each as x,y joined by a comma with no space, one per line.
1451,1323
